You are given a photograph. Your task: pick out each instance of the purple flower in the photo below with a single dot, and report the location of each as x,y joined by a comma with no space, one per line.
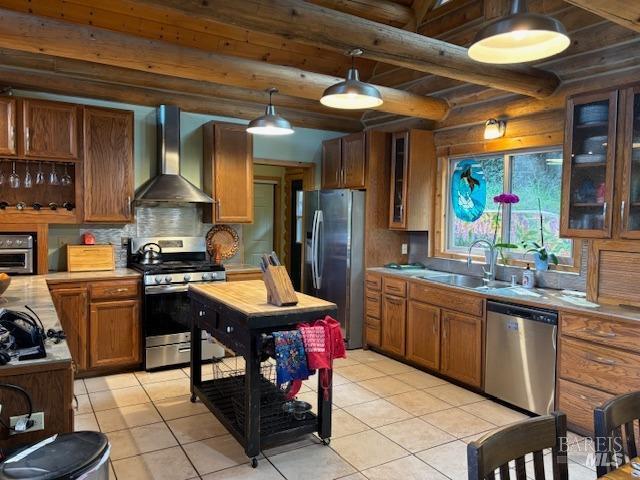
506,198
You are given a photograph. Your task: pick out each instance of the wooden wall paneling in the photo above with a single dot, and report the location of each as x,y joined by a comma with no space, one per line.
381,244
383,11
624,12
51,392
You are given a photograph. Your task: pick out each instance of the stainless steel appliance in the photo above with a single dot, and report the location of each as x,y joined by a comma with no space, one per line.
166,307
334,255
520,363
17,254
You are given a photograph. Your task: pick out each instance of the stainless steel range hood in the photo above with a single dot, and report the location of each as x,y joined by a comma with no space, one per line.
169,186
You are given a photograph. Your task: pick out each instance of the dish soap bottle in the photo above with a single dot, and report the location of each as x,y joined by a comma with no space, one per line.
528,279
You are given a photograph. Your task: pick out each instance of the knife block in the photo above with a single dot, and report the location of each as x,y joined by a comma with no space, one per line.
280,291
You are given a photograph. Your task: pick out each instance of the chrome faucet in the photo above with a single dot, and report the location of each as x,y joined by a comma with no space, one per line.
490,274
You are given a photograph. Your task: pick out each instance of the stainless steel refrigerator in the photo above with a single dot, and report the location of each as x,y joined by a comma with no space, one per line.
334,255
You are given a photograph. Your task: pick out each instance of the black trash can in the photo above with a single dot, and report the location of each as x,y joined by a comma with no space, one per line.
70,456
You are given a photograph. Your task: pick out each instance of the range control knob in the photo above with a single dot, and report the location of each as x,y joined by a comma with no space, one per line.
158,279
187,277
167,279
206,276
9,243
18,242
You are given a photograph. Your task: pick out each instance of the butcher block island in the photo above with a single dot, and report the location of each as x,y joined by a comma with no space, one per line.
247,401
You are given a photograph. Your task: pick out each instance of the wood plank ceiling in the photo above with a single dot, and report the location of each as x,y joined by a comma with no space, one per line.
210,60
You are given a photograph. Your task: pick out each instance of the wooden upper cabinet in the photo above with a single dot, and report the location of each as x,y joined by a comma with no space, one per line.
461,346
114,333
589,165
393,324
344,162
413,179
50,129
423,335
228,172
108,165
628,182
8,141
354,163
331,163
72,306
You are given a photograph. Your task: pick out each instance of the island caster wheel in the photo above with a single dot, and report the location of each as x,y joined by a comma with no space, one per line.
193,398
254,462
326,441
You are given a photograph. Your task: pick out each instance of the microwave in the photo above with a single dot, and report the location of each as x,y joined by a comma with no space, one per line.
17,254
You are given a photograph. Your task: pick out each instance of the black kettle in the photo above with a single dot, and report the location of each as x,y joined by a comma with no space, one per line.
148,256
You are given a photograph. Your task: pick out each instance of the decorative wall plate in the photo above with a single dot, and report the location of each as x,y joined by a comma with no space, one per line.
226,237
468,190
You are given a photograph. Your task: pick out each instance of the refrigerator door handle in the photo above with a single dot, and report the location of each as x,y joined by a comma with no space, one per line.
314,239
319,228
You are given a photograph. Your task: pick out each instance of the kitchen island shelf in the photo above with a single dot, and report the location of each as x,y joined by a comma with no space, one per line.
249,405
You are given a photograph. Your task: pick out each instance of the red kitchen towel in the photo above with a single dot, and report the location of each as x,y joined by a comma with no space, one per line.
323,342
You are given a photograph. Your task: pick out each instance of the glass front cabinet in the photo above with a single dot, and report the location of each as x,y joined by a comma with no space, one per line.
601,167
589,166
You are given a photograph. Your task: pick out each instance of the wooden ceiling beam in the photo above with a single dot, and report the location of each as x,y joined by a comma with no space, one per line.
123,76
314,25
28,33
381,11
622,12
24,79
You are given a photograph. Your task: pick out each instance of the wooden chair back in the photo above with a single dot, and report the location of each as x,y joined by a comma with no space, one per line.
495,451
616,429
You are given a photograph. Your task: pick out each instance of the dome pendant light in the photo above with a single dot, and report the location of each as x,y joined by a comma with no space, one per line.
270,123
519,37
352,94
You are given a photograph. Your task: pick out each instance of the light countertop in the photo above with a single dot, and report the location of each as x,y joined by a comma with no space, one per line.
537,297
33,290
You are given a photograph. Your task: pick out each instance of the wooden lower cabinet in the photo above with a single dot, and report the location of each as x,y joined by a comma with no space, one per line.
393,324
423,335
72,305
578,403
101,321
461,356
114,332
372,331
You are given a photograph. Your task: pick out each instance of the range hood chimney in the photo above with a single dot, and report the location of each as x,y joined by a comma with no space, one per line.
169,186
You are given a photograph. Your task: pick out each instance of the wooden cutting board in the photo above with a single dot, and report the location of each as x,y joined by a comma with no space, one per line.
90,258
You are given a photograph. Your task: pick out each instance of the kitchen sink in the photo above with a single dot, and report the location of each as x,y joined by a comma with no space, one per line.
466,281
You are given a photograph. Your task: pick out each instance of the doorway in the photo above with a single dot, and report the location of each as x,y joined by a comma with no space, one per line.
263,235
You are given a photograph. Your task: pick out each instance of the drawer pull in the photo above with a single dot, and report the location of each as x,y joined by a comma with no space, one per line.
373,283
599,333
229,329
119,290
394,301
601,360
392,287
373,299
201,313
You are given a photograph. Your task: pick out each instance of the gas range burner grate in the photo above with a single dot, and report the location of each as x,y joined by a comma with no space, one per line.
178,266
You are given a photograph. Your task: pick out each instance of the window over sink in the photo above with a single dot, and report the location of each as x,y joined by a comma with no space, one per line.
531,175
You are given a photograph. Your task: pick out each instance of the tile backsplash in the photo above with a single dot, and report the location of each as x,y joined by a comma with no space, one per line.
184,220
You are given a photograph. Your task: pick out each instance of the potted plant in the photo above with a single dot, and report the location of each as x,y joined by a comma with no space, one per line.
541,256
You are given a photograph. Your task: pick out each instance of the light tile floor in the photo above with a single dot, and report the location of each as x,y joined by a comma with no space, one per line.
390,421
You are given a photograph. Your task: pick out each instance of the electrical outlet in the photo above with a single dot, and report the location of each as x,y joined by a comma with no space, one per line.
405,249
38,422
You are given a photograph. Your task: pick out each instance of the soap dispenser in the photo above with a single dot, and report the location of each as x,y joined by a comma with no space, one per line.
528,278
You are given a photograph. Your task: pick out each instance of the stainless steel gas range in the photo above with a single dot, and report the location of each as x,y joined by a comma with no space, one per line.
167,273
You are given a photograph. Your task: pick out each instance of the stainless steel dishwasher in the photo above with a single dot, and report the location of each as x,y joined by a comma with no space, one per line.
520,360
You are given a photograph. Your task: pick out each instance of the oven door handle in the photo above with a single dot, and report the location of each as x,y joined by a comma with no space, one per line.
15,250
159,289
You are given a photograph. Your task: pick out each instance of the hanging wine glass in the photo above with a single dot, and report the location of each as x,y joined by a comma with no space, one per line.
40,175
65,180
14,178
53,176
28,181
2,177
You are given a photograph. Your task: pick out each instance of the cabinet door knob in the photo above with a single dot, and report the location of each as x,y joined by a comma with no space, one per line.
229,329
201,313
